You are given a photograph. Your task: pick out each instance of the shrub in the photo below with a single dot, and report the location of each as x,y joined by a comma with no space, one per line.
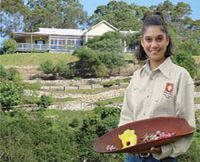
88,62
9,46
9,74
10,94
185,60
111,83
13,74
45,102
111,60
64,70
101,70
110,41
48,67
3,73
74,123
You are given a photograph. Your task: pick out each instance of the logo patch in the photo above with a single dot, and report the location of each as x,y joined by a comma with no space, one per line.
169,87
169,90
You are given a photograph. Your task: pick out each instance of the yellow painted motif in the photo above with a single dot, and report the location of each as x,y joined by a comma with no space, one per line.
128,138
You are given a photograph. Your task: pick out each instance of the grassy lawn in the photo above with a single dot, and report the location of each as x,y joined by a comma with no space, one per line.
115,100
197,88
34,59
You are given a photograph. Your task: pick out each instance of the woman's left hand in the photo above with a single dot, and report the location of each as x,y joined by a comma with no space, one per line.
155,150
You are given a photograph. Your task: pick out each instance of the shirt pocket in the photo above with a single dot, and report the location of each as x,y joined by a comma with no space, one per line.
165,105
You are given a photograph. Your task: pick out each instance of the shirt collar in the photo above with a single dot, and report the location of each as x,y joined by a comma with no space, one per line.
162,67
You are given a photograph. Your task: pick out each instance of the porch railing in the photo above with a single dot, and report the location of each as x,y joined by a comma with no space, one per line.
28,47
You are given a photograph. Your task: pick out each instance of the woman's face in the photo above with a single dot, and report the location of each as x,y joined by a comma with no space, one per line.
154,42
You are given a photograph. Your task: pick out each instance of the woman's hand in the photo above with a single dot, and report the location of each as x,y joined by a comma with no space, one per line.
156,150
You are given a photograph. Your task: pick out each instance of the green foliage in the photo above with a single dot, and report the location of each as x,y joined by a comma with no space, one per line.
93,127
101,70
88,62
46,135
95,63
74,123
45,101
33,138
110,101
183,57
111,83
9,74
48,67
111,60
32,86
3,73
109,42
64,70
10,94
120,14
9,46
35,59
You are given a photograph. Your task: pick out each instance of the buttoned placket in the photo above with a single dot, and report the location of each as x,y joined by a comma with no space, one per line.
149,92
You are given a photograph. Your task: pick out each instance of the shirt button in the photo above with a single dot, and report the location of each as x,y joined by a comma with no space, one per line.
148,96
144,114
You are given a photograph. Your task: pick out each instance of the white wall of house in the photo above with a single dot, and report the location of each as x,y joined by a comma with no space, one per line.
99,30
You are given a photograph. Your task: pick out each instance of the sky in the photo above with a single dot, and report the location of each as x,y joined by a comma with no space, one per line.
91,5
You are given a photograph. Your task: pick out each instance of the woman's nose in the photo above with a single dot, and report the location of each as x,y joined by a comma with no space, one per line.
154,44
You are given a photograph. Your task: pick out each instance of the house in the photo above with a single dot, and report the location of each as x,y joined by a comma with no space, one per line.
61,40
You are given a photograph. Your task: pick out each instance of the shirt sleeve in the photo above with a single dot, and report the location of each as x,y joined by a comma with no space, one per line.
184,109
126,115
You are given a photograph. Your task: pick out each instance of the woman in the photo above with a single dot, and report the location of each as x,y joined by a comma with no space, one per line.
160,88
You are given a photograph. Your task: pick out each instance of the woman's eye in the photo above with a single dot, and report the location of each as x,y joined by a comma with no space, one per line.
148,39
159,39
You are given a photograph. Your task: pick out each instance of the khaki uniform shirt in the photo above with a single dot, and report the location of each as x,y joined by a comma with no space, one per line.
168,90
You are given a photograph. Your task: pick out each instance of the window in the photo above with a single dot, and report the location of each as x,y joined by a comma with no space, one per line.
39,42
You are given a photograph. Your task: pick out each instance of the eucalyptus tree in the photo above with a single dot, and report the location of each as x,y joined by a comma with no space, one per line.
120,14
12,16
54,13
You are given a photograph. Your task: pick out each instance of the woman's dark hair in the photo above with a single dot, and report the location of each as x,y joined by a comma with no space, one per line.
154,19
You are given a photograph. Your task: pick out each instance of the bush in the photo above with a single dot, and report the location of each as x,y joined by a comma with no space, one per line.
88,62
74,123
13,74
64,70
48,67
185,60
3,73
9,74
10,94
9,46
111,83
95,63
45,102
101,70
108,42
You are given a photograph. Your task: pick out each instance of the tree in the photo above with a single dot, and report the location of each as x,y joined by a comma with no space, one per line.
109,41
183,57
54,13
88,62
12,16
119,14
9,46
